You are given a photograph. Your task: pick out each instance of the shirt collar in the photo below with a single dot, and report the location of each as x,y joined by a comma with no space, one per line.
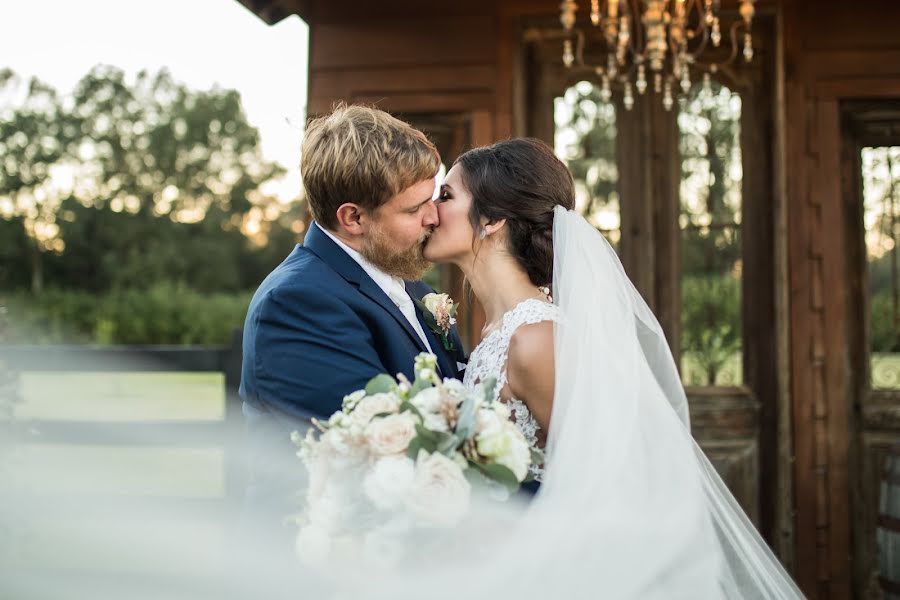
386,282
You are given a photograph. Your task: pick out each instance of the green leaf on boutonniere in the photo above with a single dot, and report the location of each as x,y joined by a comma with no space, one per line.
432,324
429,318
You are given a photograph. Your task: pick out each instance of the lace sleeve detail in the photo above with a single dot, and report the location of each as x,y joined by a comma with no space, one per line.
489,360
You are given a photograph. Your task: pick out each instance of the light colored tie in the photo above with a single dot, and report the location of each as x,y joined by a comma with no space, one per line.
397,294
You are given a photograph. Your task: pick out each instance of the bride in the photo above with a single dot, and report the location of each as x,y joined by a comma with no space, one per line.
628,506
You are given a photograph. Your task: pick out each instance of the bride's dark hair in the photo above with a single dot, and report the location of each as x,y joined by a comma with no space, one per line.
522,181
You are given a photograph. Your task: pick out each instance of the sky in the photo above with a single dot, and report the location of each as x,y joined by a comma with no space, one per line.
201,42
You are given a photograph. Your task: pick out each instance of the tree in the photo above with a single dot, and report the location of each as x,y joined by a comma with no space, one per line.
33,141
711,174
130,180
586,142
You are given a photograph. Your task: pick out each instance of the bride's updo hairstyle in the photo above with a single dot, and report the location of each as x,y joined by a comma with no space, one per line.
522,181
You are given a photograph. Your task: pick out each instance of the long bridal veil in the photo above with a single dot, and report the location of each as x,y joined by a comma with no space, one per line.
651,509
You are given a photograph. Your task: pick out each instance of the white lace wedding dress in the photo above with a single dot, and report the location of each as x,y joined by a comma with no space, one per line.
488,361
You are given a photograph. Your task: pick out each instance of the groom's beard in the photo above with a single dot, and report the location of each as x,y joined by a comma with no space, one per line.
409,264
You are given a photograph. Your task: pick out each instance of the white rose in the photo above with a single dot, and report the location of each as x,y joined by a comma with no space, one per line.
440,493
343,448
434,302
488,421
428,400
388,481
502,409
505,446
373,405
313,544
435,422
391,435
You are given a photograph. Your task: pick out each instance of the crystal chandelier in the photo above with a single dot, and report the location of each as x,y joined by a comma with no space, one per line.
659,40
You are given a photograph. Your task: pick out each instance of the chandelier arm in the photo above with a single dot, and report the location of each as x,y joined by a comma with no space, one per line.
734,43
579,46
704,40
700,32
634,14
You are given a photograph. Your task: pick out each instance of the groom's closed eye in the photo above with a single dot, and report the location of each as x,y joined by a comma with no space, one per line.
413,210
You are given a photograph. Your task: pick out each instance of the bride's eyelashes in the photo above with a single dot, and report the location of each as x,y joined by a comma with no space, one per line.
443,197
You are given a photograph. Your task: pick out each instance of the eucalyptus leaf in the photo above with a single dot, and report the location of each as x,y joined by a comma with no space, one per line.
488,385
413,450
418,386
448,443
500,474
408,406
465,423
426,434
380,384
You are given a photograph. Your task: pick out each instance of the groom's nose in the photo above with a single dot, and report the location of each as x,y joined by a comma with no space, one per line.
431,218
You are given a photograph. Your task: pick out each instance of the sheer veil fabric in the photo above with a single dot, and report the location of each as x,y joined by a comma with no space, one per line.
654,519
629,508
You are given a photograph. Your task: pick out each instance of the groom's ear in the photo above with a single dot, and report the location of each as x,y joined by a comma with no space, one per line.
349,217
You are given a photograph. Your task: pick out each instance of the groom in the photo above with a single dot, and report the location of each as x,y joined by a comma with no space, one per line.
339,310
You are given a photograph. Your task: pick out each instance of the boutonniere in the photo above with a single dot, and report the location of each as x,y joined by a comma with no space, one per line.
439,312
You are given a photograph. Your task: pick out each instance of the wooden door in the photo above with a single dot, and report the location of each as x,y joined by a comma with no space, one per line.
870,169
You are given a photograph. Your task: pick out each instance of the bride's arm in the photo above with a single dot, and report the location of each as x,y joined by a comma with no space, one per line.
530,369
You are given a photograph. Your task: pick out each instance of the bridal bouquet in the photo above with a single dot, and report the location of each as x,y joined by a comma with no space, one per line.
401,457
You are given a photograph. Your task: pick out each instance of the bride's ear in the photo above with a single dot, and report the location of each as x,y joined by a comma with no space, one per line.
349,217
493,227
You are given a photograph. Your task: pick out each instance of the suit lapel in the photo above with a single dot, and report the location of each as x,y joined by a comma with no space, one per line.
371,290
325,248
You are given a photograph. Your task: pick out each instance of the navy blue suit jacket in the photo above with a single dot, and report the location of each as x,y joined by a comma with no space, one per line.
319,328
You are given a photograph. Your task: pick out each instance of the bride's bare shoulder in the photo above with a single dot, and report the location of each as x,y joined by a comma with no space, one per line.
530,358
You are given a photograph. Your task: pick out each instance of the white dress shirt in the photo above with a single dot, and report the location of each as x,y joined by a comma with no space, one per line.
392,286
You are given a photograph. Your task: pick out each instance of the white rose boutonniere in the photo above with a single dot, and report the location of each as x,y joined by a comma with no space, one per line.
439,311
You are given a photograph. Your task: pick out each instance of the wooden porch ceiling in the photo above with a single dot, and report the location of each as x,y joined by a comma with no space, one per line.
273,11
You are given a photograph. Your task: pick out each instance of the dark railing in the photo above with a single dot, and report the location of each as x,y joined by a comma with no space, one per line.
121,359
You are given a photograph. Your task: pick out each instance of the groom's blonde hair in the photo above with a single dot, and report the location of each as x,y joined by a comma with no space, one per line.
361,155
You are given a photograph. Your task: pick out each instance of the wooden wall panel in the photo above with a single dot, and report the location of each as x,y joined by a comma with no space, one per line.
838,51
406,79
725,422
405,42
